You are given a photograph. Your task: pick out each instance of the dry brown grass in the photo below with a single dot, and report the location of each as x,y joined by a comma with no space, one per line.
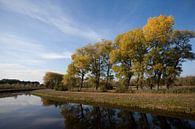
169,102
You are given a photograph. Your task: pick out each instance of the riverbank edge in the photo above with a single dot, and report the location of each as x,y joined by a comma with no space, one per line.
134,102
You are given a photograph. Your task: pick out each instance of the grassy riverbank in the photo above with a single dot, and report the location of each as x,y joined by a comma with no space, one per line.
168,103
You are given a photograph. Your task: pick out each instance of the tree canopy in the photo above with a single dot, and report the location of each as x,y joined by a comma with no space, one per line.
53,80
151,55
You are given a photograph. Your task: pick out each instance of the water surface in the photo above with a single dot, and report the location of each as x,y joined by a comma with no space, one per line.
25,111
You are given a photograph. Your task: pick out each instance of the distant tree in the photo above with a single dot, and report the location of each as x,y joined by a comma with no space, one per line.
53,80
11,83
185,81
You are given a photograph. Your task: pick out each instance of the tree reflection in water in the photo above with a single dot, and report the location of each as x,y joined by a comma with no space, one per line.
79,116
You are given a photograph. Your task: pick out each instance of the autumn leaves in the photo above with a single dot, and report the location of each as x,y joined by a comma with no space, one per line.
151,55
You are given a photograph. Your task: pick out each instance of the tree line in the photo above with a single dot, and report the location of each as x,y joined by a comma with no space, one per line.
152,56
185,81
15,81
12,84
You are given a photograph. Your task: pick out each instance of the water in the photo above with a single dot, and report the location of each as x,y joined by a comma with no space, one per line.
31,112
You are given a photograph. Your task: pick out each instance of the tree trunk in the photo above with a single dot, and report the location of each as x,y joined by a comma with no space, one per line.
82,80
151,86
107,76
168,82
128,81
98,75
97,81
137,82
158,81
142,80
168,86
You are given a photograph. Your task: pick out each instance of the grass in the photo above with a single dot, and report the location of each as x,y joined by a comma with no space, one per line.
174,90
169,103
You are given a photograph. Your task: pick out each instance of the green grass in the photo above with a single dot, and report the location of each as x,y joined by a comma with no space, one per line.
169,103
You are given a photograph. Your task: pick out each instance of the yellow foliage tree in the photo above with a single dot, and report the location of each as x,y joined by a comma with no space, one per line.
157,33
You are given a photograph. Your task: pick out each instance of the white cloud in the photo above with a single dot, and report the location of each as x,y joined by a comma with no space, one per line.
22,48
64,55
51,15
16,43
21,72
25,59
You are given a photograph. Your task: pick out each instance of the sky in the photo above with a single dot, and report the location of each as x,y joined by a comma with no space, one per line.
37,36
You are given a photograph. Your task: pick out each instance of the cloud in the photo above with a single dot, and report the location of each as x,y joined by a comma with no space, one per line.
25,59
17,43
52,15
64,55
20,48
21,72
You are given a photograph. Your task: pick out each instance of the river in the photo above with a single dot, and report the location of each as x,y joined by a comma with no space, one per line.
26,111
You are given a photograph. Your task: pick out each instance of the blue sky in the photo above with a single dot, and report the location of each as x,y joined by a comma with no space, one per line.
40,35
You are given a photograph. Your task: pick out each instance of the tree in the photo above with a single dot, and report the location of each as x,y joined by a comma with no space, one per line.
53,80
157,33
153,54
179,51
104,48
121,60
137,50
80,60
70,79
95,62
91,61
129,56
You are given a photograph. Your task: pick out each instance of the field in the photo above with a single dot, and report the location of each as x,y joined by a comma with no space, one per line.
168,103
